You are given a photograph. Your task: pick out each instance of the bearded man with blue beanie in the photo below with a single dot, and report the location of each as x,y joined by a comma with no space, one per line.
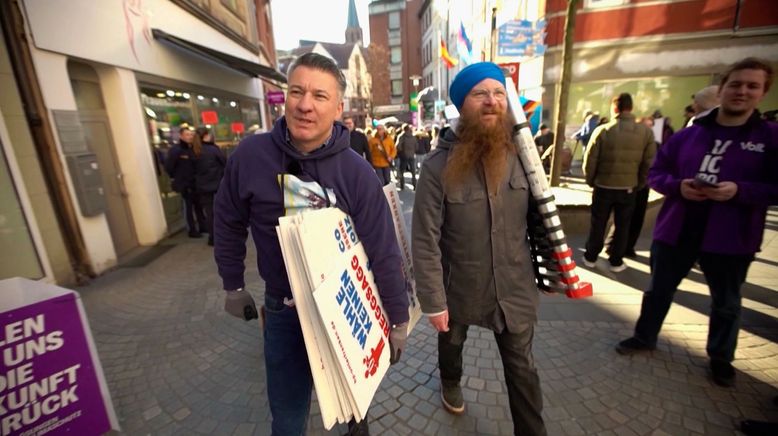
470,252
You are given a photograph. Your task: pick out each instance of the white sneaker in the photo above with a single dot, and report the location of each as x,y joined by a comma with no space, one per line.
618,268
589,264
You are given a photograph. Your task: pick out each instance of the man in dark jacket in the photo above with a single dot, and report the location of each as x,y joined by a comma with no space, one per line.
358,139
180,166
407,144
616,165
309,151
471,257
425,145
209,169
718,177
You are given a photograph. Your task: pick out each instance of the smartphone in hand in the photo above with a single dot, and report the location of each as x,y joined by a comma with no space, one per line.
700,181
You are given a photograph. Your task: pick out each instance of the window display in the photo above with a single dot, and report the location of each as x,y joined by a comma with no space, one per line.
168,108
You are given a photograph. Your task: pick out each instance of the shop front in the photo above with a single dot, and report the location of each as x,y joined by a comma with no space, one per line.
116,99
168,107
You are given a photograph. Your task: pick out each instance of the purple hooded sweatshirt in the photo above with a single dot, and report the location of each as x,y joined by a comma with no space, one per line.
251,196
746,155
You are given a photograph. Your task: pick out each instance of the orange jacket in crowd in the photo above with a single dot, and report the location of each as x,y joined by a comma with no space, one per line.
380,150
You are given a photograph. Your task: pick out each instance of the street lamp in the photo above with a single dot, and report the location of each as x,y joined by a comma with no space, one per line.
415,78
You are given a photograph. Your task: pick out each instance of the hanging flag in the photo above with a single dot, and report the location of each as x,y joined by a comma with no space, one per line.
533,110
450,62
464,46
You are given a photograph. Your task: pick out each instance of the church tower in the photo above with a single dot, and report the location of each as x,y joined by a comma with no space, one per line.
353,31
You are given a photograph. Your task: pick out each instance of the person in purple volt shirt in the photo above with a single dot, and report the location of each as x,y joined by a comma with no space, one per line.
718,177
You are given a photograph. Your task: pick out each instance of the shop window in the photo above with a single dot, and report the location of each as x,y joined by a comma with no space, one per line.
251,116
219,113
166,110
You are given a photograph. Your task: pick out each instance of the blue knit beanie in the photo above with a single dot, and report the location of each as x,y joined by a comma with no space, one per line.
470,76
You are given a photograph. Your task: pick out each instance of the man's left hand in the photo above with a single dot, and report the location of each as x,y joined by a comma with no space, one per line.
723,192
397,338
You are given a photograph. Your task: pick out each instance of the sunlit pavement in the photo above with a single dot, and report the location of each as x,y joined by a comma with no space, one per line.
177,364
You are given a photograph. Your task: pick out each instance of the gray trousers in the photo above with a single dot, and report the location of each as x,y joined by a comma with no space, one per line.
521,377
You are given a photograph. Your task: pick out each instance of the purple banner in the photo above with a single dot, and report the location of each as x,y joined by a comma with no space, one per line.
48,381
275,97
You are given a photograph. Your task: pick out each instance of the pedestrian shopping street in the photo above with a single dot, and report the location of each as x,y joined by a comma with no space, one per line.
176,363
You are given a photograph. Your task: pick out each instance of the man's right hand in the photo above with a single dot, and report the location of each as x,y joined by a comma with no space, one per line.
690,192
440,322
239,303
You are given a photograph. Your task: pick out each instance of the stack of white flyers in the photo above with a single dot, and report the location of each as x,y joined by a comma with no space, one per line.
345,327
403,241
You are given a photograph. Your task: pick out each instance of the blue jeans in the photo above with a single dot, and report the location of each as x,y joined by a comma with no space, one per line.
725,275
289,380
384,175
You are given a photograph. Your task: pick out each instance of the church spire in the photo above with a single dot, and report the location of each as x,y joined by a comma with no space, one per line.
353,31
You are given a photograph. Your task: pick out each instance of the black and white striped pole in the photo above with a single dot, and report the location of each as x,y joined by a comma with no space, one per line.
551,256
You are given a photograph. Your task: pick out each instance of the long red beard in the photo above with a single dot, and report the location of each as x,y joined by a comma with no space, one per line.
479,143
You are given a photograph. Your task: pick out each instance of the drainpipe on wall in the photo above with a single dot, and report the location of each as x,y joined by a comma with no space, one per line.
43,138
736,23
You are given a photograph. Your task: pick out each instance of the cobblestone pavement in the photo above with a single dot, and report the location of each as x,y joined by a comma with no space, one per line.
177,364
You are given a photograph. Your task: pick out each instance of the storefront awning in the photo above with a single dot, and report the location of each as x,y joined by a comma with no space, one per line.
252,69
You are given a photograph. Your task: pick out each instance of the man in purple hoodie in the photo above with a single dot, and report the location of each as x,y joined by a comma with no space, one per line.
303,163
718,176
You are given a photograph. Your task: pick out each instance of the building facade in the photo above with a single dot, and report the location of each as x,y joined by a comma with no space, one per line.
95,93
395,30
660,51
441,20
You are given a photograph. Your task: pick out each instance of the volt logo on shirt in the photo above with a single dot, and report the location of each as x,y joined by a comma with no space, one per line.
750,146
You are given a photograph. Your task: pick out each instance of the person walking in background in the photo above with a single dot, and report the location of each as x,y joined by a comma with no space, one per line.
718,177
299,166
590,122
209,169
471,256
180,166
425,145
544,139
616,165
667,128
407,145
383,152
704,100
434,134
358,139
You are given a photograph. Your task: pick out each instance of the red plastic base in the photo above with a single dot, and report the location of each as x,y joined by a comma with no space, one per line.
584,290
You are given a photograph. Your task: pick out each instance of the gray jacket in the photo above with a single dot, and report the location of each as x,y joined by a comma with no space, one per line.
470,251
